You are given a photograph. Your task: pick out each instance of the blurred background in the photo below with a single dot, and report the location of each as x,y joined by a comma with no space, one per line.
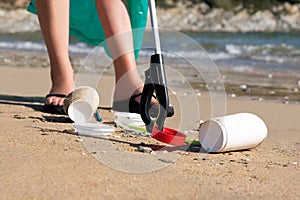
255,44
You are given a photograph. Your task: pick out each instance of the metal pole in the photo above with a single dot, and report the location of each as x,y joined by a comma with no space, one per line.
154,26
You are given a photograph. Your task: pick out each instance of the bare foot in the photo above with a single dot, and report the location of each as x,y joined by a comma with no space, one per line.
129,85
61,84
64,89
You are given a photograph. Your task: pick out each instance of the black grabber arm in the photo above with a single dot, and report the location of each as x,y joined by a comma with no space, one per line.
155,82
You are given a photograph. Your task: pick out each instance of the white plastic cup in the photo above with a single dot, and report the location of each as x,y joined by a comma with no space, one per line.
81,104
232,132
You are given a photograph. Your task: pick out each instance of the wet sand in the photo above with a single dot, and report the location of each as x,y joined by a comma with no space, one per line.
41,158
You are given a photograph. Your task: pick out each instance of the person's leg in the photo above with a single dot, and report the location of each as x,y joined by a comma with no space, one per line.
117,28
54,21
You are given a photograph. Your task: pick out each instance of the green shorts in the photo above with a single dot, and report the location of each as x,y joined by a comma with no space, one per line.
85,24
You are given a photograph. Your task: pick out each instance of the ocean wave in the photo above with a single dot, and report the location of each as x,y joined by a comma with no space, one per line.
24,45
230,53
35,46
267,52
190,54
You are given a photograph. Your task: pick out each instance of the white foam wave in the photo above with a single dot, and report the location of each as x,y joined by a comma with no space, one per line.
27,45
267,52
191,54
261,49
22,45
80,48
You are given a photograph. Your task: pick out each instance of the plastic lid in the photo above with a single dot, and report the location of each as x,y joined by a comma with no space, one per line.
91,129
169,136
212,136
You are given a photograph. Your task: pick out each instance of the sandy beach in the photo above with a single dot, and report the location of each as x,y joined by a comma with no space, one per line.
41,158
257,53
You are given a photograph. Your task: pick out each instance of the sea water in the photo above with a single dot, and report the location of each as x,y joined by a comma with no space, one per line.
257,65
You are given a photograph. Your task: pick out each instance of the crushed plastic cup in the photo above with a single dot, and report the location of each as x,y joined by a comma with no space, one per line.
233,132
132,116
131,122
81,104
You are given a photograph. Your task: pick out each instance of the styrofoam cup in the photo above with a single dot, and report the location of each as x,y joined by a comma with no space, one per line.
81,104
232,132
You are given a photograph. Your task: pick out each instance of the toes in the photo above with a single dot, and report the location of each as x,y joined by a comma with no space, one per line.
49,100
56,101
60,101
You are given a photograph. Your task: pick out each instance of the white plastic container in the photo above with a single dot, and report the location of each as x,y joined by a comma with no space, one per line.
232,132
81,104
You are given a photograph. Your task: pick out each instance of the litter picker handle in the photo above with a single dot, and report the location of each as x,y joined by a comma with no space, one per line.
155,81
154,26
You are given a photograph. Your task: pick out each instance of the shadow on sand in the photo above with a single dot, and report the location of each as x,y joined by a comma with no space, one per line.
35,103
31,102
